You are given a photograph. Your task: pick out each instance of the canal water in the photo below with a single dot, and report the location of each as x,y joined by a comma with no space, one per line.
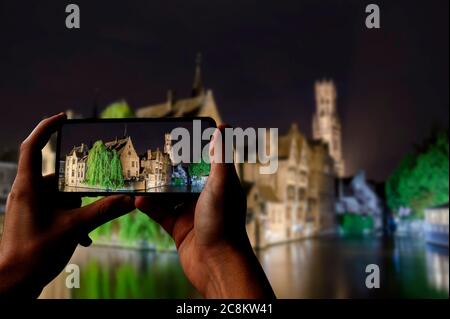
325,267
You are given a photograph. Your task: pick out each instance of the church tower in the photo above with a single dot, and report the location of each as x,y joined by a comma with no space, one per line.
326,123
168,146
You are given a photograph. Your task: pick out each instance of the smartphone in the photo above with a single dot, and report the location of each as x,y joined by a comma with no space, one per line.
143,155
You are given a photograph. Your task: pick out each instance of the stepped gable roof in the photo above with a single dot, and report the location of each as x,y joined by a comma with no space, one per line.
117,144
79,151
284,142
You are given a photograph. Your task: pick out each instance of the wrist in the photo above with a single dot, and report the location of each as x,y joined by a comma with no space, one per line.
14,281
234,272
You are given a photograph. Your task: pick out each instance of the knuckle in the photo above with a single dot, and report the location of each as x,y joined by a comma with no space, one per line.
24,146
16,195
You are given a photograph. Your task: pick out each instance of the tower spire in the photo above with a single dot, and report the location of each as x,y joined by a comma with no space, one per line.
197,86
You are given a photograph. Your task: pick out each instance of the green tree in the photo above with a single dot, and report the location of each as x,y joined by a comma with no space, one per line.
119,109
421,179
97,165
199,169
103,167
116,175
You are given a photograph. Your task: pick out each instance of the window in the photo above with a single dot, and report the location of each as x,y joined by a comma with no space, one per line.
128,173
301,194
291,192
73,161
73,173
132,163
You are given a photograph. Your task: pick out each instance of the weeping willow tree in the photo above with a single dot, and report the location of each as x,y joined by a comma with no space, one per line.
104,167
116,175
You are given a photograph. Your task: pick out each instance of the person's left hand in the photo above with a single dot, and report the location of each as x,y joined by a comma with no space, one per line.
42,227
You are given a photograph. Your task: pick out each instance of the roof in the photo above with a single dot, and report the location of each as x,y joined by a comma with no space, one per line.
267,193
284,142
79,151
117,144
184,107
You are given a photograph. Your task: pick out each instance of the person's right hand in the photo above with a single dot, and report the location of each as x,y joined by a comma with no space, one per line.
210,234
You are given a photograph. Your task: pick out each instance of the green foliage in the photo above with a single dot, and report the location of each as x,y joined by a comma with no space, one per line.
133,277
354,224
177,181
104,167
199,169
421,179
119,109
116,175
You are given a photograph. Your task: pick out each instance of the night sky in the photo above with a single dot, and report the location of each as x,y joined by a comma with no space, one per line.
261,59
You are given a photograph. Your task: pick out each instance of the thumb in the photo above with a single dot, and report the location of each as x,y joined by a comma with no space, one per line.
220,171
102,211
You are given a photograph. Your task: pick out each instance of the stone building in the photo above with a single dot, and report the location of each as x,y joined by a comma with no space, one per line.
296,201
8,172
75,166
128,156
326,123
156,168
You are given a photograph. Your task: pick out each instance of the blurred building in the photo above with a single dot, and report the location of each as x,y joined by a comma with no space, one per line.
200,103
7,174
326,123
49,150
295,202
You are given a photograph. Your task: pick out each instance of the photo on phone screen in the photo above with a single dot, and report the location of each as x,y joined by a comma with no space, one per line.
134,155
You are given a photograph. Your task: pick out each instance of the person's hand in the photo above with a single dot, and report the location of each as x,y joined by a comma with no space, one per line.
42,228
210,234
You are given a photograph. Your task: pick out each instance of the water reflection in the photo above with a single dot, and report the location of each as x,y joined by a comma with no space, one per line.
328,267
124,273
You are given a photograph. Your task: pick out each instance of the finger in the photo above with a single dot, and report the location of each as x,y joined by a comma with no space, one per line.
85,241
88,218
166,208
30,158
220,171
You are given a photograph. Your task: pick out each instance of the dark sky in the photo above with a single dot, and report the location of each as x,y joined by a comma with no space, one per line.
261,59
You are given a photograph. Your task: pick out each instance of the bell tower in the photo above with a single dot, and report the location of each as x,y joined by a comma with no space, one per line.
326,123
168,146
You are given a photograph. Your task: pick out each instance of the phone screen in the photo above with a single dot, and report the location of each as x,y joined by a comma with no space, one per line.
110,156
